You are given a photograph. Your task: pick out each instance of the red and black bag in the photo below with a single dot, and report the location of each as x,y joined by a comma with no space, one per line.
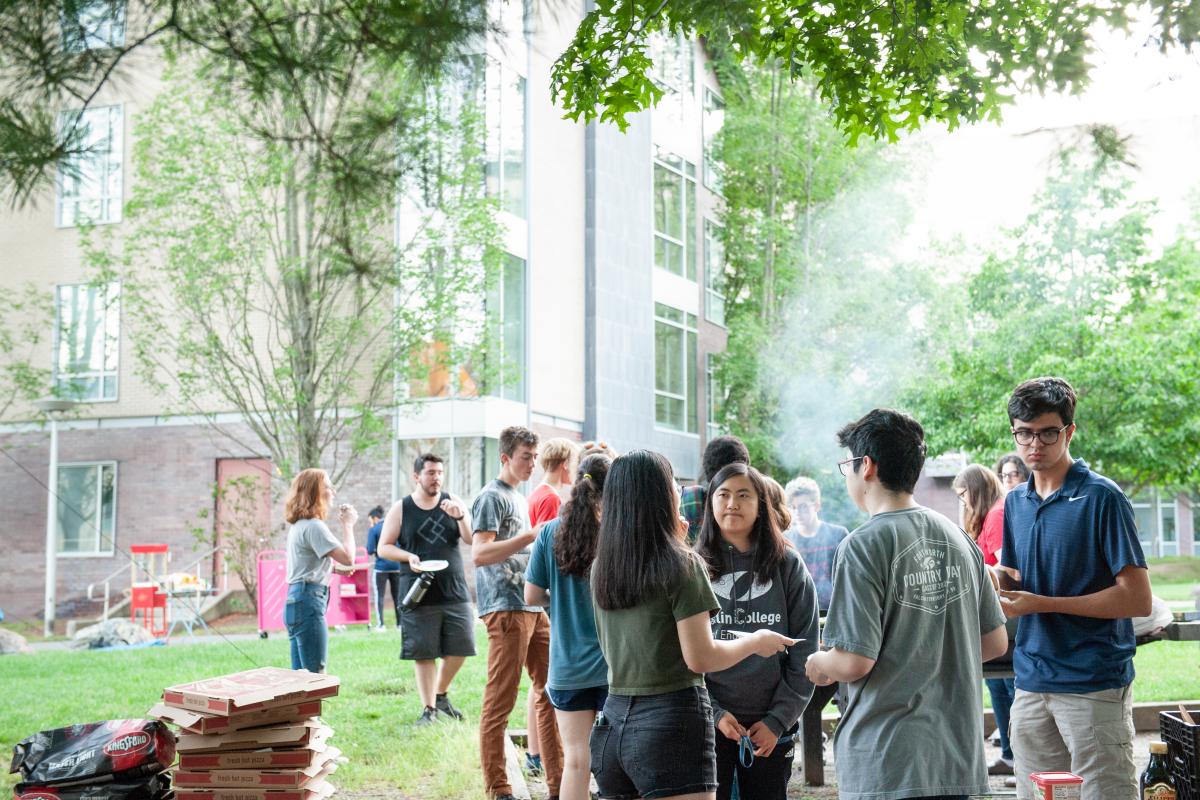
119,749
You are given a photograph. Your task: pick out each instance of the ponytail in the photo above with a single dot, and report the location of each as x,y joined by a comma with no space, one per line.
579,526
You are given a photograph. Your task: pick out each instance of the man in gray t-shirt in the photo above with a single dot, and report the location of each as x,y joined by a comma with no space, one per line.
913,617
518,634
500,586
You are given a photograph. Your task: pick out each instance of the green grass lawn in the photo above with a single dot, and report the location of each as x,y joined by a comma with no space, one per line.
371,717
373,714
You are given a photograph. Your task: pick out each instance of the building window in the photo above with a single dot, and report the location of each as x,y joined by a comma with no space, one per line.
712,122
89,182
87,341
506,310
504,109
674,214
674,59
674,369
714,274
715,396
92,24
87,509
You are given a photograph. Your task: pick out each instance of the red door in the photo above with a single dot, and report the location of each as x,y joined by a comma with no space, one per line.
243,507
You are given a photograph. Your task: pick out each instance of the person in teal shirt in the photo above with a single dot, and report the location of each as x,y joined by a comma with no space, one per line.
557,576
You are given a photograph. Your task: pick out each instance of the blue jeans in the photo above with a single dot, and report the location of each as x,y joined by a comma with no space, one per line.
304,616
1002,692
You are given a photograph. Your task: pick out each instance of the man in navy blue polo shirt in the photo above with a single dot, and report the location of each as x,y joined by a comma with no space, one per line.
1071,548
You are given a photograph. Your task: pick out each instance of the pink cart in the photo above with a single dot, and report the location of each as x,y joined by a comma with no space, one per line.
349,596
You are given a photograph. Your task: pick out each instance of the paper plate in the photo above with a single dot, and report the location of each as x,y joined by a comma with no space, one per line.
434,566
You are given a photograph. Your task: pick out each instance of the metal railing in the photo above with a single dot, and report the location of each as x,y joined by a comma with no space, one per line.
218,581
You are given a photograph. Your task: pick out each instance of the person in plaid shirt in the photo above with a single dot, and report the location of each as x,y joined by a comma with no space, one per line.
718,453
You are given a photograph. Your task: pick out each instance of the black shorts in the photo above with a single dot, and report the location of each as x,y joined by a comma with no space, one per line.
655,746
428,632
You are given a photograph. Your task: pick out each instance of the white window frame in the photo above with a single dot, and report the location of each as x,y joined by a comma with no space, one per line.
62,380
690,356
517,390
100,168
58,534
686,172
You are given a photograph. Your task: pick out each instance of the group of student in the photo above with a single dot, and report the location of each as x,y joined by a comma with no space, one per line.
682,641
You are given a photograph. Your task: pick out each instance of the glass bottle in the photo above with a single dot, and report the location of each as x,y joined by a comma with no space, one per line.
1156,783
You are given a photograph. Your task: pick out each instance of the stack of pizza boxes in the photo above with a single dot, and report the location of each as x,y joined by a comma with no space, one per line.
252,735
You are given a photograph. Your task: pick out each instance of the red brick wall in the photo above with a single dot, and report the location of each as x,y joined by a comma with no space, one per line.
164,479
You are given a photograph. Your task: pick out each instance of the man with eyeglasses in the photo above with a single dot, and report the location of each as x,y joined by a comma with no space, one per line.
815,539
1071,546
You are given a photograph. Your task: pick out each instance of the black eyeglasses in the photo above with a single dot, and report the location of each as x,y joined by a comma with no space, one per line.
1014,475
1024,436
842,464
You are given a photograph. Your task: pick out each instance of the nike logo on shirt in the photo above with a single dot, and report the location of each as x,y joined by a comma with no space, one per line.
1073,499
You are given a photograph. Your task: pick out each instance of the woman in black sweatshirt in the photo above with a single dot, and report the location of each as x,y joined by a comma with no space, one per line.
760,582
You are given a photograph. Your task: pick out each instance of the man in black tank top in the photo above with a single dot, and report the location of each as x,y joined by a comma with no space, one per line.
427,526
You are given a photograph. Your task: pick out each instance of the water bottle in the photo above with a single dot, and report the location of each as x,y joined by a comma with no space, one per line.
416,592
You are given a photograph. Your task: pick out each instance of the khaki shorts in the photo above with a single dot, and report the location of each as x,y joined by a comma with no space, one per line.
1090,735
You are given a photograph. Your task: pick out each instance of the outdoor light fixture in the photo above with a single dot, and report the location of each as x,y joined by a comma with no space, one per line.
53,408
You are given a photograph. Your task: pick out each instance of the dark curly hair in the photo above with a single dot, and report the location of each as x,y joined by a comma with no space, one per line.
575,539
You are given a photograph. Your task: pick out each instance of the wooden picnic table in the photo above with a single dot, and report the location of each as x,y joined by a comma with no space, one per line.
810,722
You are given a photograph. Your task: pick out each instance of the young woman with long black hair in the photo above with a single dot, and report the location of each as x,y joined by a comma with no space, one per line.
760,582
557,577
653,600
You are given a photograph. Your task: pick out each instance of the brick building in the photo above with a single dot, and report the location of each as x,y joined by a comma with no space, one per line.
612,232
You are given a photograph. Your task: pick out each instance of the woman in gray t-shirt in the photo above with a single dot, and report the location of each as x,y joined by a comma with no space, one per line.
311,550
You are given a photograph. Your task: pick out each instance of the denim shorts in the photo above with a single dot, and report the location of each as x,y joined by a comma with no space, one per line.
658,745
590,699
304,616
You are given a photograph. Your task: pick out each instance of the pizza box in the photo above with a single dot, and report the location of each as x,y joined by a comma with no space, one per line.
294,758
252,690
316,790
195,722
270,779
305,733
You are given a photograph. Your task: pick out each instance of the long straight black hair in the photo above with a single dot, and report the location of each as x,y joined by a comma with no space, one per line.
769,545
640,549
575,539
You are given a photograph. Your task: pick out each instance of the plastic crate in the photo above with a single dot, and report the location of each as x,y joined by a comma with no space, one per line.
1183,753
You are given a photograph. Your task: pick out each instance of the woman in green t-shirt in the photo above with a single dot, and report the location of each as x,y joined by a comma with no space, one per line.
652,600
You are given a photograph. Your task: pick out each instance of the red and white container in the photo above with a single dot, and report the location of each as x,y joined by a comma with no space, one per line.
1057,785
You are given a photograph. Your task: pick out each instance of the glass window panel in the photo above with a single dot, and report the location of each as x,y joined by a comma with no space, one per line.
668,358
668,202
493,122
88,341
690,222
89,183
1168,519
93,24
690,356
668,412
712,122
514,321
513,120
666,312
86,508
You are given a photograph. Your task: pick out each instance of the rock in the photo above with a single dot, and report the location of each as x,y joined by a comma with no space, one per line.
110,633
12,643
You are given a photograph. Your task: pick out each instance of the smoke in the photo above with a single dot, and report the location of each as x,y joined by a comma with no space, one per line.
851,335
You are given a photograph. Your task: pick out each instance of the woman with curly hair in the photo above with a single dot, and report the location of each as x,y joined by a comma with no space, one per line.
311,550
558,577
